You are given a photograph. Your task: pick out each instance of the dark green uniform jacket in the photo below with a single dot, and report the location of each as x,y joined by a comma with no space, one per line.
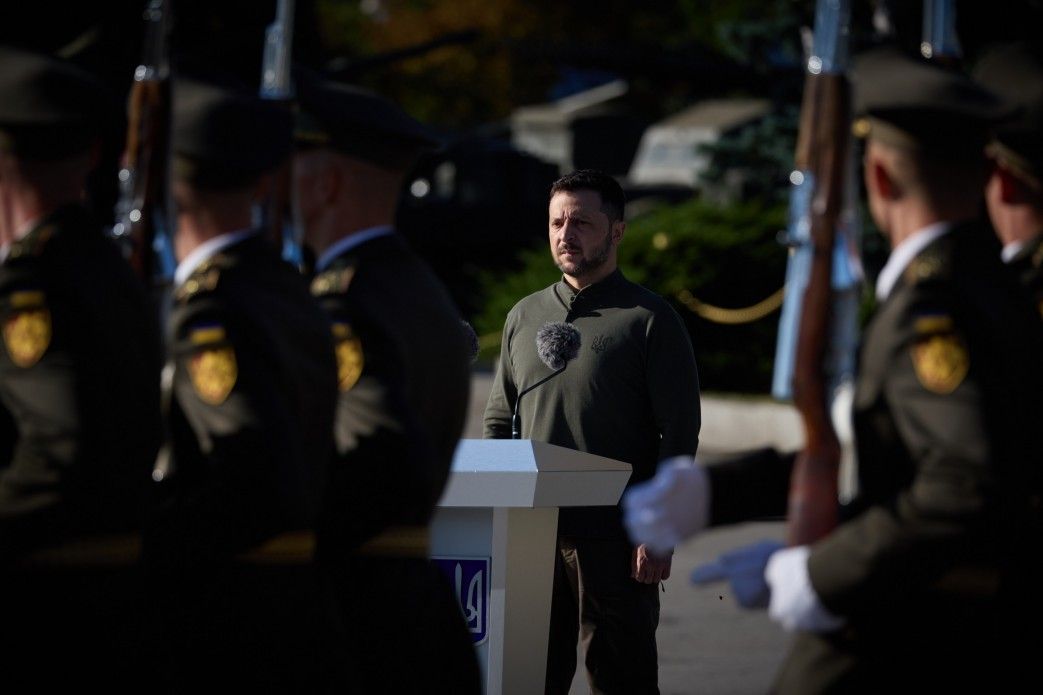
947,407
404,388
404,376
632,394
250,407
79,386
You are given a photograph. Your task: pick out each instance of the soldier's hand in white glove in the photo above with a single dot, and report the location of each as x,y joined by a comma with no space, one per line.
743,568
794,603
672,506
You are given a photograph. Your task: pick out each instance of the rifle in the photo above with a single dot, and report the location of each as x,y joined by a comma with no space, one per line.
276,86
817,329
143,209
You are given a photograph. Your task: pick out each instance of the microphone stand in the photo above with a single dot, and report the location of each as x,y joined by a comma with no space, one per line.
515,420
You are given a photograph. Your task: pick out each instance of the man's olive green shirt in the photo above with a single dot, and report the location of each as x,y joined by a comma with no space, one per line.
632,393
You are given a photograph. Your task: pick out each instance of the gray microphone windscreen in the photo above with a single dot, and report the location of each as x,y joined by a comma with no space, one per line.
557,343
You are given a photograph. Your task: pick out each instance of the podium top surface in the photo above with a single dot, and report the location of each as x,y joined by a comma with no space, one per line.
527,473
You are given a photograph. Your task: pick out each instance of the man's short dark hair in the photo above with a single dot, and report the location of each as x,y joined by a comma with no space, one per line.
613,200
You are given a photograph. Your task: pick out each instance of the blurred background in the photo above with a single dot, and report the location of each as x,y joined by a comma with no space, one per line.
692,104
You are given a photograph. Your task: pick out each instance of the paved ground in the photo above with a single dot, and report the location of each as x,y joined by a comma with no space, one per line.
707,644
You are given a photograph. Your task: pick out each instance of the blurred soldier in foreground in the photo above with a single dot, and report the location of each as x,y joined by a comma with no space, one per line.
403,364
924,584
1014,192
79,387
632,394
249,408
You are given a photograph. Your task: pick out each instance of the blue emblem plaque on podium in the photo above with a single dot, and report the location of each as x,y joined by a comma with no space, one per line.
469,578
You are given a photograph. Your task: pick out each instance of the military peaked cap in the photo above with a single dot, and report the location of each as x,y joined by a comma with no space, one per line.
49,108
224,137
1015,72
357,123
907,102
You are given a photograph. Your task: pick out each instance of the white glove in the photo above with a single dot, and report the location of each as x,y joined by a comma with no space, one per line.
744,570
794,603
670,507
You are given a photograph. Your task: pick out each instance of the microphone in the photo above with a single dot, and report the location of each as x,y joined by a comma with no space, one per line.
557,344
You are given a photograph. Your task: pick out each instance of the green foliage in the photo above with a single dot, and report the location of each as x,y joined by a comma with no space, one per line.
725,256
759,33
762,151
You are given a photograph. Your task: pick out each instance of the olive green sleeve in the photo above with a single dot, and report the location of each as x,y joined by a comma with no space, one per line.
499,408
673,384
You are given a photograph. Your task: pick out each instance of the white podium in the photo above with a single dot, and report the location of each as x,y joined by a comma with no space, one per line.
494,533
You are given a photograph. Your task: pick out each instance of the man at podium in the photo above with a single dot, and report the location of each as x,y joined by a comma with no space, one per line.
630,393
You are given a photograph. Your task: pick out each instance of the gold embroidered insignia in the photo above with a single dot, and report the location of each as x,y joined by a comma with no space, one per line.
27,334
941,362
213,373
333,281
350,359
924,267
1037,256
203,280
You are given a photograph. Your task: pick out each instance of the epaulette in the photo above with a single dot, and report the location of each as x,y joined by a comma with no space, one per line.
203,279
930,264
1037,256
333,281
32,244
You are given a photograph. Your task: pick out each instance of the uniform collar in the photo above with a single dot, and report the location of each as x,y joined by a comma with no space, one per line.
903,255
206,250
1018,251
605,283
28,233
349,242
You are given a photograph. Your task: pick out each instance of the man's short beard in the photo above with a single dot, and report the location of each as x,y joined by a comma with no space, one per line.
585,265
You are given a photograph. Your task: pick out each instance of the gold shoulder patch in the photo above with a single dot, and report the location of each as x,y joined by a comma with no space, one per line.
213,367
350,359
941,362
27,331
213,371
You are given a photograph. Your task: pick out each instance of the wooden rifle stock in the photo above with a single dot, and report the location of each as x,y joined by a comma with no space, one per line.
148,119
821,150
143,173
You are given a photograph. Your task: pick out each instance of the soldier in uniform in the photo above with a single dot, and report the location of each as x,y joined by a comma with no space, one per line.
1014,192
249,398
403,362
79,386
925,582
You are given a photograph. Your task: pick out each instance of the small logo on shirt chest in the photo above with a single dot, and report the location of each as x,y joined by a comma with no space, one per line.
601,343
